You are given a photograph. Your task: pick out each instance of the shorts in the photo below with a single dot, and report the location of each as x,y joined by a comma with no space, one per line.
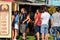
44,28
57,28
16,26
37,28
23,28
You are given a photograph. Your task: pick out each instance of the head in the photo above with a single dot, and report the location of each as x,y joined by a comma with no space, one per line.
16,13
57,9
37,11
23,10
45,9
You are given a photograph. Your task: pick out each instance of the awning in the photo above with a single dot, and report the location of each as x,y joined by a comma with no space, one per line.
9,0
27,3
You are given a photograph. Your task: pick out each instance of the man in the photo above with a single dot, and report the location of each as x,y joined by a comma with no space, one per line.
37,24
44,26
56,23
24,19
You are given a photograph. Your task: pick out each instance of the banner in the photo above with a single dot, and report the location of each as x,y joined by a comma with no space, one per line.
5,19
54,2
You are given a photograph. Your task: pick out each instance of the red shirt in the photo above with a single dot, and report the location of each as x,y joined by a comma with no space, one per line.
38,16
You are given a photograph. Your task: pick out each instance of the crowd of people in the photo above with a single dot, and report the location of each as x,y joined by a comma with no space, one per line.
41,23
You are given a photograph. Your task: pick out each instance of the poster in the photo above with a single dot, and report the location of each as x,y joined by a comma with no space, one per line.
54,2
5,19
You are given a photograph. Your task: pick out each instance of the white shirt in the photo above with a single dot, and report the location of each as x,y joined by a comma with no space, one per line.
45,18
56,18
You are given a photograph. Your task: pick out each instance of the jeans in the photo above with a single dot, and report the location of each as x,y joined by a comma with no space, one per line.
55,30
37,28
58,38
55,33
44,28
51,31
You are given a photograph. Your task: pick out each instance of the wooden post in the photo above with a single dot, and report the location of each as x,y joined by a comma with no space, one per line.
6,39
10,39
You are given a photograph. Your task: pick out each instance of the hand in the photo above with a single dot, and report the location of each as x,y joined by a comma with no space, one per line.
51,25
23,22
34,25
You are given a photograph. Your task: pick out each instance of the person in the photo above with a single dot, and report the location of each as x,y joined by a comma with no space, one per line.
12,25
44,25
55,23
37,23
24,20
15,25
51,30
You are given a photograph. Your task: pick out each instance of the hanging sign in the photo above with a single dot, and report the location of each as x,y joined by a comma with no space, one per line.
5,19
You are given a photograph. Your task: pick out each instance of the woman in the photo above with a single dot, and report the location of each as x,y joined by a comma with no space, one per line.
15,27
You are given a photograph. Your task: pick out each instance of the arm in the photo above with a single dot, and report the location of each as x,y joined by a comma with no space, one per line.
35,16
42,16
35,19
27,19
52,20
12,18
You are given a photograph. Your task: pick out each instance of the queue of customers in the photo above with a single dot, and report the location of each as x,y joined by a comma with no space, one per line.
41,23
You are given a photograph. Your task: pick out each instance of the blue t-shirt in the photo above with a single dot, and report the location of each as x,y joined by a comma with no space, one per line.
50,17
16,19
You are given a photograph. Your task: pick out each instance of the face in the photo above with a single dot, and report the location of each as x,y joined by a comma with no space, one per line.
22,10
37,11
15,13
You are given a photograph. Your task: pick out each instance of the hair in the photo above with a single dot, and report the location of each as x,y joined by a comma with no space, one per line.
15,13
57,9
38,10
23,9
12,12
44,9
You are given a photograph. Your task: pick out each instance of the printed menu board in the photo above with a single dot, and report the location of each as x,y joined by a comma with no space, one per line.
5,19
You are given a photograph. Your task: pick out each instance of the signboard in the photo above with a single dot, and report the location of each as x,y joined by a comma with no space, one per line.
8,0
54,2
5,19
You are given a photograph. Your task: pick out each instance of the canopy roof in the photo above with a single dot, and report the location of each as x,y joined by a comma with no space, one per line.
27,3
